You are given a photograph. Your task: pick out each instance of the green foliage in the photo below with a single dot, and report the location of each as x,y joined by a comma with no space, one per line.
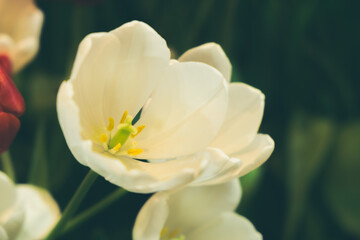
341,185
39,166
309,140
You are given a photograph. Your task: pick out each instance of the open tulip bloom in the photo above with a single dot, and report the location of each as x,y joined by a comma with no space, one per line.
26,212
145,122
20,27
195,213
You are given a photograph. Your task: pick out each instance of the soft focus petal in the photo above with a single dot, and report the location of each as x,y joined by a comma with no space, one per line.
126,172
219,168
250,158
184,113
13,225
3,234
243,118
185,209
242,162
151,218
8,197
211,54
255,154
41,212
6,44
21,20
226,226
190,207
9,126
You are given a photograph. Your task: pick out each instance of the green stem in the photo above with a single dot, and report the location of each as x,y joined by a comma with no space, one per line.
82,217
74,204
8,166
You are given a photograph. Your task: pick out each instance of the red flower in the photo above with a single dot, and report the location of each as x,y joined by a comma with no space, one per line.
11,100
9,126
11,105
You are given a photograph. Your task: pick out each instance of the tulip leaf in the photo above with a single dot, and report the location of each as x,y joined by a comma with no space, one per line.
39,168
308,142
315,226
342,188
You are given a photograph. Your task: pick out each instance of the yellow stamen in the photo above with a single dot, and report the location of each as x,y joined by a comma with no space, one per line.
117,147
134,151
103,138
174,233
111,124
163,232
139,129
124,116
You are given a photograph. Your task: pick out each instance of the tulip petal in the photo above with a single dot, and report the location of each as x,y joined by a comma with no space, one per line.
226,226
184,113
243,118
144,177
7,201
6,44
192,206
3,234
11,99
69,119
151,218
94,64
242,163
116,71
143,58
41,212
21,20
9,126
255,154
211,54
13,225
218,168
185,209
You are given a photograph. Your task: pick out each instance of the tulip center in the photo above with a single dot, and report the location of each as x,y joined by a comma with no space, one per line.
171,235
122,142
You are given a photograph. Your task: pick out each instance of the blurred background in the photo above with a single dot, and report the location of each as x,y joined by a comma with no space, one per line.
303,55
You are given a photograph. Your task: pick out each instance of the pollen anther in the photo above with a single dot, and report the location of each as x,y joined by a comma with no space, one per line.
103,138
117,147
139,129
124,116
164,231
111,124
135,151
174,233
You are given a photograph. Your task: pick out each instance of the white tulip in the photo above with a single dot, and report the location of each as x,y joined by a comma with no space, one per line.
26,212
238,137
20,27
195,213
127,72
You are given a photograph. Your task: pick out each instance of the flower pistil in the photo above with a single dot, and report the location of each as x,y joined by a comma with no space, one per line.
122,141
